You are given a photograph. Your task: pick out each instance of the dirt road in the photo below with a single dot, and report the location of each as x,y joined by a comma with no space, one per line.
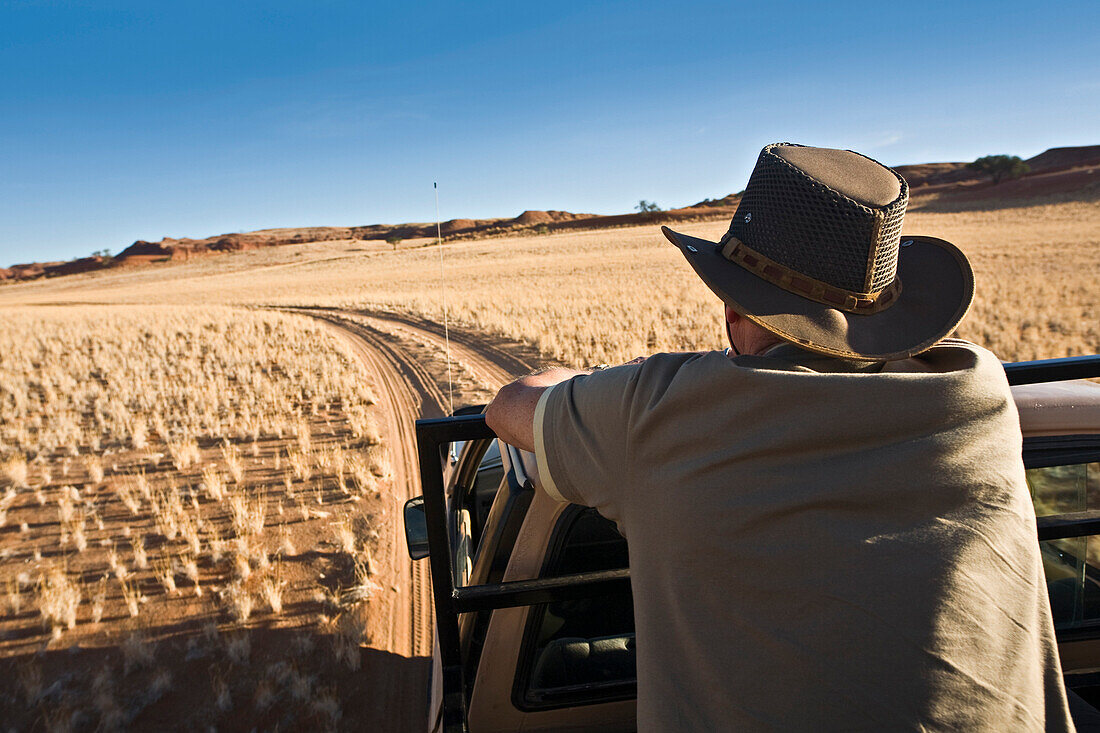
408,357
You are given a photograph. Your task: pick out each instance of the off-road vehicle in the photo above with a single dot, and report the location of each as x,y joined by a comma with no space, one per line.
534,620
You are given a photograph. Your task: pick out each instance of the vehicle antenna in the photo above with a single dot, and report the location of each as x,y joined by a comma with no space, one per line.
443,290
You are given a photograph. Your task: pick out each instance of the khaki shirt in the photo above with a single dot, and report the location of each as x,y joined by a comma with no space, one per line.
815,543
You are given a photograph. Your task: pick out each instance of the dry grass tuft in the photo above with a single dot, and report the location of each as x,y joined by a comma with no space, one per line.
349,633
345,537
58,600
238,647
223,700
272,591
137,652
248,513
14,469
141,559
131,595
238,601
164,572
232,456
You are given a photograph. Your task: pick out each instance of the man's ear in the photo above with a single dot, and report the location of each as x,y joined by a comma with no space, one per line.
732,316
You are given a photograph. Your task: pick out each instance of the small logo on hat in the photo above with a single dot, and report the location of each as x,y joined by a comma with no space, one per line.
748,217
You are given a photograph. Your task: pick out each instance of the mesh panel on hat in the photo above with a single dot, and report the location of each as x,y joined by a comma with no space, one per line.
798,222
885,266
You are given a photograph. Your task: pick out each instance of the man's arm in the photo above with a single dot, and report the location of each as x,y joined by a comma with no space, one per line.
511,414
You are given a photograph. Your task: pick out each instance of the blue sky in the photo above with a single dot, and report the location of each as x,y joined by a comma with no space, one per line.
137,120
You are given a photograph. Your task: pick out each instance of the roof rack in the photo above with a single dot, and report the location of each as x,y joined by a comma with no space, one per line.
434,435
1053,370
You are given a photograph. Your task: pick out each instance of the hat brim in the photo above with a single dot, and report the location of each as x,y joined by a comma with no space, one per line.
937,287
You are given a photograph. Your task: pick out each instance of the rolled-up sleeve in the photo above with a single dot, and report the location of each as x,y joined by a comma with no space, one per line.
581,429
546,479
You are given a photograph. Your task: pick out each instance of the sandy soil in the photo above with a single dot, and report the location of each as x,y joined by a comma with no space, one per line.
409,357
185,662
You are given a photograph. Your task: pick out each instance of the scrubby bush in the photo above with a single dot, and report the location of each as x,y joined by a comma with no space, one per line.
1000,167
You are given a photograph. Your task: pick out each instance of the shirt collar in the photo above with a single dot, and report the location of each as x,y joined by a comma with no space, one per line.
791,354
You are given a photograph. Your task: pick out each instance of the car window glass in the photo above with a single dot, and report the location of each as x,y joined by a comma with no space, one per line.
490,474
1071,565
582,650
1064,489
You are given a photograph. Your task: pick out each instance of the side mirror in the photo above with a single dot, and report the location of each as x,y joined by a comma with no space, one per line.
416,528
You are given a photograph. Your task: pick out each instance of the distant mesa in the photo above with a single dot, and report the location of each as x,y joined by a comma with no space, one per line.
185,249
533,218
1056,171
35,270
1055,160
141,248
726,202
927,174
1063,158
84,264
457,225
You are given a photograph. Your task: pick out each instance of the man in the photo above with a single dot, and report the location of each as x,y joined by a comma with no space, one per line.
828,525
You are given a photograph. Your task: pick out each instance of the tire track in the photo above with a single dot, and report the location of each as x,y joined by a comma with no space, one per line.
409,392
477,350
400,621
402,352
495,360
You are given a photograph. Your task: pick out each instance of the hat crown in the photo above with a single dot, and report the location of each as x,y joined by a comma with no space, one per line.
831,215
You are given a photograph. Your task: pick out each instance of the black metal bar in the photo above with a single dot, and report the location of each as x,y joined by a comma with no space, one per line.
1063,457
1064,526
1086,632
454,700
447,429
1053,370
542,590
431,435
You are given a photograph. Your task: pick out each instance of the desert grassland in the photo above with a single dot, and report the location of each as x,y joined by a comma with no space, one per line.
190,486
610,295
186,527
1037,276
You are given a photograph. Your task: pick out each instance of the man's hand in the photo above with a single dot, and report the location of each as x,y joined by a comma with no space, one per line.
511,414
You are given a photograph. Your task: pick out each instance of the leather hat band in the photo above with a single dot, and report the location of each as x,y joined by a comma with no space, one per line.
736,251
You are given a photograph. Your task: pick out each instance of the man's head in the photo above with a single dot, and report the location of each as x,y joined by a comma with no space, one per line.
814,256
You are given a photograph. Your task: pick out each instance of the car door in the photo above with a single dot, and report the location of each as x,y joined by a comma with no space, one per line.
530,673
1061,451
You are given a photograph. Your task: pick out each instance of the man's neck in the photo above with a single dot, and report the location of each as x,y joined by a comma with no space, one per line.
748,339
757,346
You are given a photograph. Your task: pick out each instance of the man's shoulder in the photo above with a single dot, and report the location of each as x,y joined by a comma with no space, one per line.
665,368
643,381
662,366
951,356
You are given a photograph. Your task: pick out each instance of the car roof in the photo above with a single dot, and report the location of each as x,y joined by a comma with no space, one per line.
1058,408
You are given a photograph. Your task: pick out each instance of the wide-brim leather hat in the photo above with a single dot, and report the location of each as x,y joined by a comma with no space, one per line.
815,255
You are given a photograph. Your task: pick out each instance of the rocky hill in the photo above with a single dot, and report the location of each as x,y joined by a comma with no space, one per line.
1058,170
924,175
